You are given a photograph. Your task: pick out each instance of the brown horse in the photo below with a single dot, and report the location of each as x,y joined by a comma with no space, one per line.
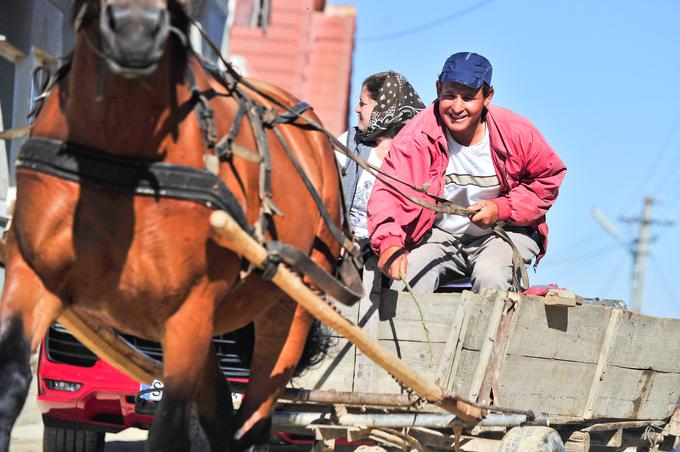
151,265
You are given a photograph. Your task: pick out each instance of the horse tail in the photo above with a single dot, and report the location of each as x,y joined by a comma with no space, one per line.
319,341
325,249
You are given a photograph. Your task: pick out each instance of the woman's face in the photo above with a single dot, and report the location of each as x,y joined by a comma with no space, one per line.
364,108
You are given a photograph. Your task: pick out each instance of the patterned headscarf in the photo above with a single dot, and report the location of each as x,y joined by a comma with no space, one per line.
397,102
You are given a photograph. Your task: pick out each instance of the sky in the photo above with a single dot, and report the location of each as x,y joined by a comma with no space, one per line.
600,81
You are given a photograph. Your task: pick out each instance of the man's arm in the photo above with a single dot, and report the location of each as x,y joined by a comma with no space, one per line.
390,214
539,182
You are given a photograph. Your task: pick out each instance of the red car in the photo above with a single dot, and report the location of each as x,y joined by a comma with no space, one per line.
82,397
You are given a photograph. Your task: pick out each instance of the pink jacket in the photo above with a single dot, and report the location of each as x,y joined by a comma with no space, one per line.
529,171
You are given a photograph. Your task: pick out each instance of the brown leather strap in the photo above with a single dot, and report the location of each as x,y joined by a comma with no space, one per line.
300,262
345,241
520,277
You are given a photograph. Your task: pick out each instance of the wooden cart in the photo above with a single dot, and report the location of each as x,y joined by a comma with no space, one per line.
603,375
513,372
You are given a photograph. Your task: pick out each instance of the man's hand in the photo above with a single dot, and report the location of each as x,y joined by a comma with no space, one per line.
397,265
483,213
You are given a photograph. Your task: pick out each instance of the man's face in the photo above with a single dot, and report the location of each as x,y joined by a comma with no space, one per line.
364,108
460,107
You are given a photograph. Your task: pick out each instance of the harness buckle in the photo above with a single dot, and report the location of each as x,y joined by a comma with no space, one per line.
269,116
270,265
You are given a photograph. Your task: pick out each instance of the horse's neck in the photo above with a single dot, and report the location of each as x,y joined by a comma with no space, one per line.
134,118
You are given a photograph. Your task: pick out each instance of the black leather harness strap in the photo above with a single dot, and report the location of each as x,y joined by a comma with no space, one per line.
224,148
293,113
293,257
260,118
91,167
267,206
339,236
148,178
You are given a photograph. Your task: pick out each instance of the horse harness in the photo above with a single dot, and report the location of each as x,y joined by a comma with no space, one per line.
520,277
171,181
77,163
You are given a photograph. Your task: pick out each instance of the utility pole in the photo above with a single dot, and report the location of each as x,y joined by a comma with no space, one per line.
641,251
640,257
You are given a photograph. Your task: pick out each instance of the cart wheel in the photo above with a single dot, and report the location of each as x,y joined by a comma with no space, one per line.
532,439
72,440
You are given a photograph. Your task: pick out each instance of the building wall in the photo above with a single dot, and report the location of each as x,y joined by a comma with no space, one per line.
307,50
327,77
32,32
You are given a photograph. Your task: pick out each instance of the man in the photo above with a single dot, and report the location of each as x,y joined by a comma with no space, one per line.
479,156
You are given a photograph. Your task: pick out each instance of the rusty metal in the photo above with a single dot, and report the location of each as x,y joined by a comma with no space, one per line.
284,419
340,397
620,425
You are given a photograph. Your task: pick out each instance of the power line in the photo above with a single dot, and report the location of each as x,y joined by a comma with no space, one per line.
673,183
571,246
670,290
641,251
425,26
675,124
673,178
594,253
614,275
665,147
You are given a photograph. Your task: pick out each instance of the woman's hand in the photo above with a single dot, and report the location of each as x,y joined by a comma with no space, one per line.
392,262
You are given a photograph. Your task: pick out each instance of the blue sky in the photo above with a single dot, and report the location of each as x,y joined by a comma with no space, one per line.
600,80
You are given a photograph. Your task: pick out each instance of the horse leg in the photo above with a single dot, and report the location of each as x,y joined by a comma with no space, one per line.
26,311
186,342
280,335
213,404
15,375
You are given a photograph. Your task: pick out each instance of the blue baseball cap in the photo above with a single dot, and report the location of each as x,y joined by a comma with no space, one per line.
468,68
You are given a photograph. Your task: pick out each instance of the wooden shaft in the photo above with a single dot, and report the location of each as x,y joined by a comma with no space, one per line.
109,346
243,244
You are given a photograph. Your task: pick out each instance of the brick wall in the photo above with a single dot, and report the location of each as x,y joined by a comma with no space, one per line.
306,50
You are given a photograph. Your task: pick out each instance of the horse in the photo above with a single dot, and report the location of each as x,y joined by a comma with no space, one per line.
147,262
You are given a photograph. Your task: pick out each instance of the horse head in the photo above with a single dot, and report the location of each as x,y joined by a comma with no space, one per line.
133,33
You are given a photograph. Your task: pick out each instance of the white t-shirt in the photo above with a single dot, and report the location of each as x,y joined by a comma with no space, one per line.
470,177
357,214
339,156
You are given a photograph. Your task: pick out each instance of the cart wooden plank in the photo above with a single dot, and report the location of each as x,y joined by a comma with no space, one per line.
549,385
559,332
645,342
637,394
553,361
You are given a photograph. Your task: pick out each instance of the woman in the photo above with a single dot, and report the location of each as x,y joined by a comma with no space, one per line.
386,103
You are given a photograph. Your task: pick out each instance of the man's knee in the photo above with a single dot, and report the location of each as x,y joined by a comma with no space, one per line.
421,276
492,275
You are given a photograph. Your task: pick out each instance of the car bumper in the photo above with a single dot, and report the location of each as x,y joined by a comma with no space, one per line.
104,401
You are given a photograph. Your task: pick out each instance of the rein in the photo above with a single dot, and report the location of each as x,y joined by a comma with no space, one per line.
89,166
520,276
224,148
